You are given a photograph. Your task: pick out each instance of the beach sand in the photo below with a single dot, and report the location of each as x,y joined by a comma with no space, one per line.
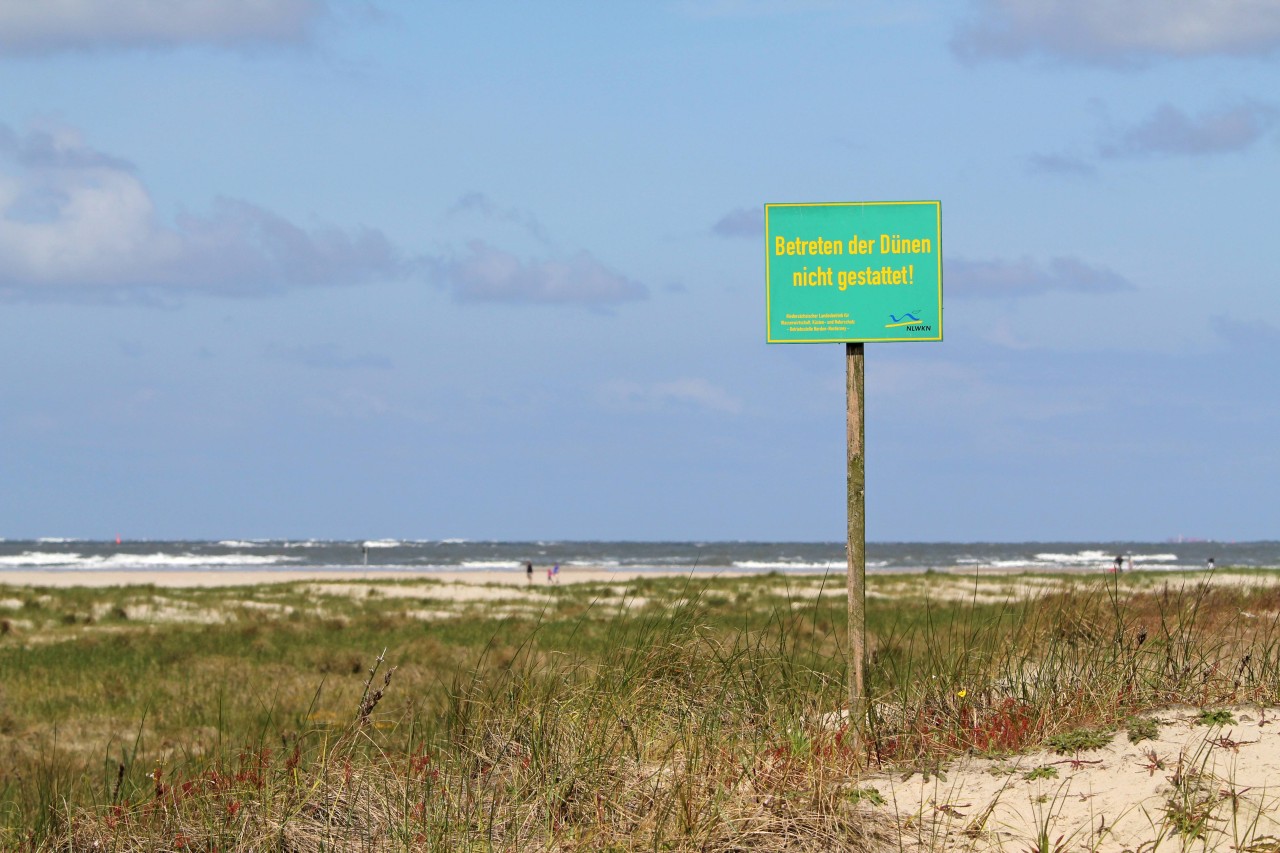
180,578
1217,782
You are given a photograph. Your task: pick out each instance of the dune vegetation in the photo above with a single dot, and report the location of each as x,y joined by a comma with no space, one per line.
655,714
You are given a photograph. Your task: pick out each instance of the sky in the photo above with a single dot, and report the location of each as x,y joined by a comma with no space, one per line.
338,269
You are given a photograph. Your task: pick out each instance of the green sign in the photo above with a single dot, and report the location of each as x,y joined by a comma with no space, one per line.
853,272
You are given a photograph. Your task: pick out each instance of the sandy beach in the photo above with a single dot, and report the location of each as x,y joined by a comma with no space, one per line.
185,578
1213,781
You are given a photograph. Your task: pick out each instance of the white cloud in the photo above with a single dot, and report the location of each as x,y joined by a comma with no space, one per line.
1025,277
656,396
1119,33
1171,131
45,26
76,223
484,273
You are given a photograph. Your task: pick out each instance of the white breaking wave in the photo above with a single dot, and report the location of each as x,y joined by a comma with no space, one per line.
785,565
383,543
1085,558
1010,564
1077,559
36,559
489,564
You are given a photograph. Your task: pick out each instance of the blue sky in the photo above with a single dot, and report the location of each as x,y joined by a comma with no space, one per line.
295,268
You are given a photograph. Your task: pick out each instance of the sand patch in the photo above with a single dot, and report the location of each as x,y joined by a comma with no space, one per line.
430,615
1215,785
454,592
171,610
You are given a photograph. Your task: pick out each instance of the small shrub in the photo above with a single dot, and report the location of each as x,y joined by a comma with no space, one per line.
867,795
1079,740
1042,772
1143,728
1220,717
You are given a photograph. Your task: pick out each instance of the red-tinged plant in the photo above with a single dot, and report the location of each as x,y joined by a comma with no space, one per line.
419,761
1006,728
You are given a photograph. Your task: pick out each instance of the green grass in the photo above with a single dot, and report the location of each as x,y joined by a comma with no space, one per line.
1142,728
1079,740
1218,717
657,714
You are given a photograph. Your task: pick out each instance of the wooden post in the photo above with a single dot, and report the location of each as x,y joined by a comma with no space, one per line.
855,398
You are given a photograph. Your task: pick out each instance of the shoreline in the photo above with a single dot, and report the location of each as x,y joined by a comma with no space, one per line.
184,578
218,577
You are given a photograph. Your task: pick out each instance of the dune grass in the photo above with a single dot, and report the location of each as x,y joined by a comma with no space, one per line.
660,714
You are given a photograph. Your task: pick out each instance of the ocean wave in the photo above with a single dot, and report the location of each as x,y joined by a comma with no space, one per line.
1077,559
384,543
43,560
785,565
37,559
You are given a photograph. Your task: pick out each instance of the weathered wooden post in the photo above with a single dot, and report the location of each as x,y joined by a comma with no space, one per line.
855,398
853,273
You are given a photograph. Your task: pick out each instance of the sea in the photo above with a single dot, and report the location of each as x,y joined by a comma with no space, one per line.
422,557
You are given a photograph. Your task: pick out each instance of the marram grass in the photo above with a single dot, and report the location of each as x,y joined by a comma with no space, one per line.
659,716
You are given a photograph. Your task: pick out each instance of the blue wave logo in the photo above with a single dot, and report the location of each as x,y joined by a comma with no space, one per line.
905,320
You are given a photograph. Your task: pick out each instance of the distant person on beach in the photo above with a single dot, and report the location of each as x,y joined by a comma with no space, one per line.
1130,562
1209,565
1119,563
548,574
528,571
555,572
